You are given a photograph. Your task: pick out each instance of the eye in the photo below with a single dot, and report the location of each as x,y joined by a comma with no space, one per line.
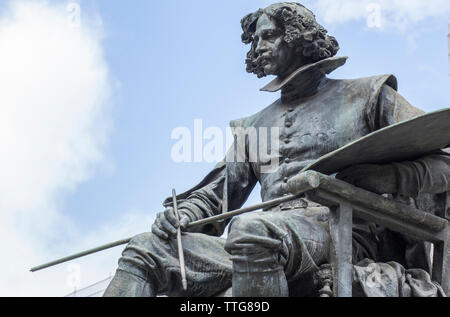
270,35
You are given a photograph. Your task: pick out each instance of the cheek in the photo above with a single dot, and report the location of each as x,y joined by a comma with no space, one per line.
282,50
277,47
287,53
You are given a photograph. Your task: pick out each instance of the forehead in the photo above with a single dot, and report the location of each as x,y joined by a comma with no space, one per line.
265,23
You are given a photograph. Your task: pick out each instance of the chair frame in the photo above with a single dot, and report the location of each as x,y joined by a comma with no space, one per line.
347,201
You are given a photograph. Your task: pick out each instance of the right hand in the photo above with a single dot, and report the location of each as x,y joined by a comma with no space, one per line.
166,224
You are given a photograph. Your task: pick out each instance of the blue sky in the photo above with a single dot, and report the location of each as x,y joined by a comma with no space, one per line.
170,62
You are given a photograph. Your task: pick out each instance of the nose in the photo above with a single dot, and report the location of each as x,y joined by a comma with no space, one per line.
261,47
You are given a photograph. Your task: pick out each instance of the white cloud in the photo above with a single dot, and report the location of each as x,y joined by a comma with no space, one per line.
54,122
397,15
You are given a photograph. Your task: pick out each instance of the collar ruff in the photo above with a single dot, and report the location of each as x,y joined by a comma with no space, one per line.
305,81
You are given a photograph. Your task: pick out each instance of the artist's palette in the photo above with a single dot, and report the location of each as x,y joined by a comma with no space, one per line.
407,140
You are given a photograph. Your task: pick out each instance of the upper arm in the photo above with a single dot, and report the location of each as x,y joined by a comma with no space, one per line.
391,108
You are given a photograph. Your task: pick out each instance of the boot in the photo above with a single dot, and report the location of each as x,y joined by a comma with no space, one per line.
129,285
271,283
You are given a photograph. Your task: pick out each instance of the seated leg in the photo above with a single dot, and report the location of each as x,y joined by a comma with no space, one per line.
149,266
268,249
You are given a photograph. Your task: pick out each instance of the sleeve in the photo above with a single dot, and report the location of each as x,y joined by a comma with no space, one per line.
427,175
206,199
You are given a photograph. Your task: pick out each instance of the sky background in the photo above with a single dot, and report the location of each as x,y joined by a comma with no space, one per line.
90,98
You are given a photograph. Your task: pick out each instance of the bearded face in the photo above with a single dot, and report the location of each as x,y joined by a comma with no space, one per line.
284,37
273,54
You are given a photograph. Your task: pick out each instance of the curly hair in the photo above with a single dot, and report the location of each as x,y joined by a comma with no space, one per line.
301,31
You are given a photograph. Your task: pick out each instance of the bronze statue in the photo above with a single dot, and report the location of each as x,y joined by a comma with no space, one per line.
280,251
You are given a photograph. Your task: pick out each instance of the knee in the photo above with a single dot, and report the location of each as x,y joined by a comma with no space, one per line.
141,239
249,224
247,232
140,248
140,255
253,245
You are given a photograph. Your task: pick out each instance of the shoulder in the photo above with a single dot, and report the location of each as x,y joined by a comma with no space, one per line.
372,83
385,105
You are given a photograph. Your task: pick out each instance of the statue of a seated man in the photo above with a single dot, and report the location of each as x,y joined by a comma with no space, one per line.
267,253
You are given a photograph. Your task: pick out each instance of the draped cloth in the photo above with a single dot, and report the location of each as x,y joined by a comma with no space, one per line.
391,279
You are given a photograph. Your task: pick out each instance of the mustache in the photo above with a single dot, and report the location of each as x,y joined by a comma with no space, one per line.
260,60
256,62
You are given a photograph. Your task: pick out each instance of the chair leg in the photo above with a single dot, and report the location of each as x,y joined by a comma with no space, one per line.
341,223
324,280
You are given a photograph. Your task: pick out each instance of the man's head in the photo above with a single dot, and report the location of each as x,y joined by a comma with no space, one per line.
284,36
